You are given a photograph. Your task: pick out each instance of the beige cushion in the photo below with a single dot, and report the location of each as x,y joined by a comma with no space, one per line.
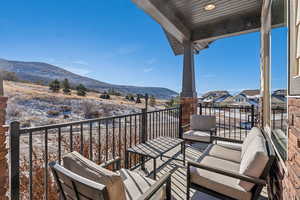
251,135
82,166
254,161
223,152
222,184
202,123
200,136
136,185
230,145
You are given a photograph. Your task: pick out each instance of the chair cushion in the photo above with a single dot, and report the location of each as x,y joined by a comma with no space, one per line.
230,145
223,152
254,161
200,136
219,183
251,135
202,123
136,185
82,166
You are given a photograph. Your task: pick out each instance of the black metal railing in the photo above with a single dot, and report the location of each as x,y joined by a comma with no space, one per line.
98,139
279,119
232,121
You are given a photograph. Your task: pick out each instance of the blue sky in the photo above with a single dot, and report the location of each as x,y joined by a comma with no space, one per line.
116,42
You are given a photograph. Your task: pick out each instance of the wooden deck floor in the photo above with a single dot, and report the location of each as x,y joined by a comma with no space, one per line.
179,176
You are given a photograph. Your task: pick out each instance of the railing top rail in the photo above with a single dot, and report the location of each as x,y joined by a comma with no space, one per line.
232,107
61,125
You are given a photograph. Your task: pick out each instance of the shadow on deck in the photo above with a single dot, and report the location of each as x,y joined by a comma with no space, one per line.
179,176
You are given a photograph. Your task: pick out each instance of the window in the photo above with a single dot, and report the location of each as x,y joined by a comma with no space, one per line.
279,122
294,48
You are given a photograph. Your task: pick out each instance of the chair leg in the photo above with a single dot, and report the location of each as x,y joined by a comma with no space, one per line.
168,189
188,183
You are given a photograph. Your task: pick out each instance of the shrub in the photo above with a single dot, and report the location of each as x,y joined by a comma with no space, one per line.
152,101
138,99
81,90
66,86
130,97
89,110
114,92
53,113
104,96
9,76
65,108
54,86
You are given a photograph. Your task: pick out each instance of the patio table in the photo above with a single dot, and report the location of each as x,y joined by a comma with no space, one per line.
156,148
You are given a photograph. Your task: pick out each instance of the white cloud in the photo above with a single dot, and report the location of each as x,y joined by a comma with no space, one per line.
80,62
149,69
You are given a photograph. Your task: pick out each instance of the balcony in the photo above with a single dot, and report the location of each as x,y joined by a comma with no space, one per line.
104,139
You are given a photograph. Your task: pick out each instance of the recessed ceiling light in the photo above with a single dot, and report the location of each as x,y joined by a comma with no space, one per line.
209,7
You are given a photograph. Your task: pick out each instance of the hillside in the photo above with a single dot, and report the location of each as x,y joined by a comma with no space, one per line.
35,105
43,72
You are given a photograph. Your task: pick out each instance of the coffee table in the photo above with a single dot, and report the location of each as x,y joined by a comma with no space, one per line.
156,148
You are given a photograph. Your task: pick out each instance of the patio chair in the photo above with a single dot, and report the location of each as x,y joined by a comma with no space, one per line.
80,178
202,128
229,172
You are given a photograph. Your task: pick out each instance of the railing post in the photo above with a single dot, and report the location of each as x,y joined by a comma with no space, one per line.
14,157
180,130
144,126
252,116
200,108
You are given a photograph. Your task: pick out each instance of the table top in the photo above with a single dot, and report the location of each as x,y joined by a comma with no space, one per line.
156,147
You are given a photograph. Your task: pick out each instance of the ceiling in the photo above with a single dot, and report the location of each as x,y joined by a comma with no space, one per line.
188,20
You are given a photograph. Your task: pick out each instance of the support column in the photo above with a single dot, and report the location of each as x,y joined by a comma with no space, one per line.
265,105
188,95
3,148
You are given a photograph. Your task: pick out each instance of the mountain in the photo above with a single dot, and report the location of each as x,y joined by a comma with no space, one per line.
43,72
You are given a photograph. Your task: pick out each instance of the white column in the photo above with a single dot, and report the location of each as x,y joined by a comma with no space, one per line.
265,64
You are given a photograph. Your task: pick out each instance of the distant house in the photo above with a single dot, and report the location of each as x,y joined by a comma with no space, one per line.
241,100
214,97
251,94
278,98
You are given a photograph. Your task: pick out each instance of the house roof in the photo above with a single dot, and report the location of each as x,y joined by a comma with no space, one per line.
188,20
217,93
250,92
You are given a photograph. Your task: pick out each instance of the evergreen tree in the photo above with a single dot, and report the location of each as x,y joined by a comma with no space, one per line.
81,90
54,86
66,86
152,101
138,99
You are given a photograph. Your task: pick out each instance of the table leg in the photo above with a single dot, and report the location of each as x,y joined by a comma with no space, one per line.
154,169
183,151
126,159
143,163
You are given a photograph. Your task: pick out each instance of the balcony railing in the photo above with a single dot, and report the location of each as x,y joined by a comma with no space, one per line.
232,121
97,139
103,139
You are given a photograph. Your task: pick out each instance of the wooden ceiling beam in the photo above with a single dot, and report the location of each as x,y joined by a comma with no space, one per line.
165,16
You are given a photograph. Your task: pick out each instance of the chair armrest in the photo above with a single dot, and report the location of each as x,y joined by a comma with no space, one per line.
166,179
213,131
227,173
116,162
185,126
227,139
